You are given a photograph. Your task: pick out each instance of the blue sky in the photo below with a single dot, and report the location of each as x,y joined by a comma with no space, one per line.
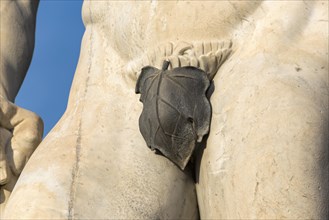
47,84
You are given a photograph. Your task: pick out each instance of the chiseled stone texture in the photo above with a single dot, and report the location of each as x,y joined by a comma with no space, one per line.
267,151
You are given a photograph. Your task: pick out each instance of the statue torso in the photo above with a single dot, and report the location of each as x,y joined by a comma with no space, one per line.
133,27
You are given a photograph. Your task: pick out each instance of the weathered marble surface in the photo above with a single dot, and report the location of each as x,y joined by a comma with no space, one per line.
267,155
267,152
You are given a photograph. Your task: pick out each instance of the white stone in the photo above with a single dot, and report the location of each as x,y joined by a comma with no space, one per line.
267,151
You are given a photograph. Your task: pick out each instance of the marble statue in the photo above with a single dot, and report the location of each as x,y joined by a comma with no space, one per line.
267,152
20,130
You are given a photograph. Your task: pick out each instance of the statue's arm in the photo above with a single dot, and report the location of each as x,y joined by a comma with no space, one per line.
18,19
17,26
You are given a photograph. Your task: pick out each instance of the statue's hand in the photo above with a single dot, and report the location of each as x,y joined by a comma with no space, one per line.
16,147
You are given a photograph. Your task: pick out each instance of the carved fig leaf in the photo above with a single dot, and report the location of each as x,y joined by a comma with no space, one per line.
176,112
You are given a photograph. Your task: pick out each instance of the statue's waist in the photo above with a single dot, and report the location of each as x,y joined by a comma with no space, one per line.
207,55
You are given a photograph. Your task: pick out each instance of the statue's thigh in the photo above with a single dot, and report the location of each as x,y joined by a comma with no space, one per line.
267,152
96,165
